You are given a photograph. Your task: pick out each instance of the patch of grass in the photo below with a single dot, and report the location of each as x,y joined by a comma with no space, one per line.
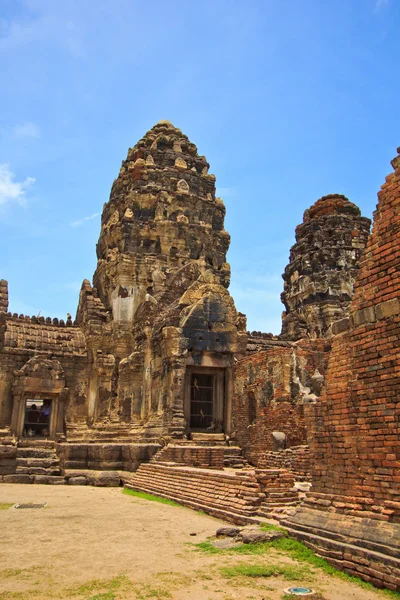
106,596
150,497
299,551
149,591
104,589
20,573
247,549
7,573
6,505
289,572
208,547
270,527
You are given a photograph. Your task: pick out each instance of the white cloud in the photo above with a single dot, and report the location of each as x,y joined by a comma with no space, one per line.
380,4
45,21
80,222
11,190
26,130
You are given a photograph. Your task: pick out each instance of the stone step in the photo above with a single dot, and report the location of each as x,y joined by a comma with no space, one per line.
219,513
284,494
33,478
36,444
38,470
36,453
38,462
206,489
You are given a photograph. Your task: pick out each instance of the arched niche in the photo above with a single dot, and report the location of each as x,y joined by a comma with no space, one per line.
41,379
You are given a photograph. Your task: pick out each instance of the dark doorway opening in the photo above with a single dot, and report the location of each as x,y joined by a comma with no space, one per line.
37,418
201,401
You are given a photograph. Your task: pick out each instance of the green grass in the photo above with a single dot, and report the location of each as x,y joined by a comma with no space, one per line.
103,589
149,591
248,549
297,551
6,505
289,572
150,497
105,596
270,527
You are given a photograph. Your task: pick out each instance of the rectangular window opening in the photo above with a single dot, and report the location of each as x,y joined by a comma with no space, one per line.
37,418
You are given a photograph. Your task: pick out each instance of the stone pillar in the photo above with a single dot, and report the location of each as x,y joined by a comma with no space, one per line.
3,295
228,399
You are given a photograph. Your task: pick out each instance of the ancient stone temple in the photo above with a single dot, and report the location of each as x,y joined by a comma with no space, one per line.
154,341
157,385
324,263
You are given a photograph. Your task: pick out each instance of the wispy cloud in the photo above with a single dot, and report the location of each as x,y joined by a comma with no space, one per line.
11,190
44,21
380,4
80,222
26,130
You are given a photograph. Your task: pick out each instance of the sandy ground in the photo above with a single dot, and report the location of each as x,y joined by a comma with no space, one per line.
100,544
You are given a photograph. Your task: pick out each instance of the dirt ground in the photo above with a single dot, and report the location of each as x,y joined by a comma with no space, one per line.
100,544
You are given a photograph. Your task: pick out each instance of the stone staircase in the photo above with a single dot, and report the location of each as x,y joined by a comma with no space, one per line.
234,496
217,479
36,462
281,497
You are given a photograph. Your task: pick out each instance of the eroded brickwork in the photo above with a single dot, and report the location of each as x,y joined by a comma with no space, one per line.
271,388
355,427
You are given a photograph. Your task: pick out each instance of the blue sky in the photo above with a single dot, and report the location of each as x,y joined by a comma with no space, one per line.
288,100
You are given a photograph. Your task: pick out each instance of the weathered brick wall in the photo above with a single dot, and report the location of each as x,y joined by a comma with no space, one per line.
270,388
193,456
354,432
297,460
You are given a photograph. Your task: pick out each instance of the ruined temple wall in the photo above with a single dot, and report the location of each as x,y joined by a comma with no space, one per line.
24,339
269,392
355,429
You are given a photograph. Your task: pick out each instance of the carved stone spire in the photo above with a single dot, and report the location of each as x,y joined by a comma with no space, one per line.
162,215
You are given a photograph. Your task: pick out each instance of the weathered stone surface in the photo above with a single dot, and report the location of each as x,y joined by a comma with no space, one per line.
159,307
228,531
77,481
18,478
256,536
324,264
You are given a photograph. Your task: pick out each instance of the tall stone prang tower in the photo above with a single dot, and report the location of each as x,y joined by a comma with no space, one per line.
161,216
161,327
324,264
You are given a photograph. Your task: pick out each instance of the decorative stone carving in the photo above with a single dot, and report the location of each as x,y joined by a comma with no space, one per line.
183,186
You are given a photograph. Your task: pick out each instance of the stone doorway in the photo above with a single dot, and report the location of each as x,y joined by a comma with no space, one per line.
202,388
37,418
204,400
